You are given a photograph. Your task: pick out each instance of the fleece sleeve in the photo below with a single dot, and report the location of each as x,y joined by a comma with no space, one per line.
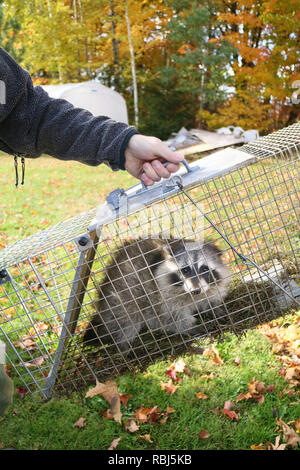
32,123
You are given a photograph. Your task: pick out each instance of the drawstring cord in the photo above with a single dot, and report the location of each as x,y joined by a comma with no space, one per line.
16,170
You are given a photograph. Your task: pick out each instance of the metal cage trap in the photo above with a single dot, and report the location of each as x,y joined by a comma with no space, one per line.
156,271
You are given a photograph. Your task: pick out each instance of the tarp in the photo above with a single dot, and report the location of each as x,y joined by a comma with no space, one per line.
92,96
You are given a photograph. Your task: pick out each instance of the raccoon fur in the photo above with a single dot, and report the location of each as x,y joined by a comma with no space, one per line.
157,284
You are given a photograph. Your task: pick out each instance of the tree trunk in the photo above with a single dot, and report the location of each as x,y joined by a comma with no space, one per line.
134,83
115,48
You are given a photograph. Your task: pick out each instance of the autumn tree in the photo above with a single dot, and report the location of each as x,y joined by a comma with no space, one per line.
176,62
266,37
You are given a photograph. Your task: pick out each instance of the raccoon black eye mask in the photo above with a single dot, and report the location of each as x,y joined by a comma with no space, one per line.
156,284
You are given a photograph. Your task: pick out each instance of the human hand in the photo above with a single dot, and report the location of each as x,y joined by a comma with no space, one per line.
144,158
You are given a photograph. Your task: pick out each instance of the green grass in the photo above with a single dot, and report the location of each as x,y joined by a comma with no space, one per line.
37,425
55,191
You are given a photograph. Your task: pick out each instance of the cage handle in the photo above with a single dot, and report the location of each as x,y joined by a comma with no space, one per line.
188,168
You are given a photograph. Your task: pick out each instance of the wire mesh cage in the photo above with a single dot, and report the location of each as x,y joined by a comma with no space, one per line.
158,271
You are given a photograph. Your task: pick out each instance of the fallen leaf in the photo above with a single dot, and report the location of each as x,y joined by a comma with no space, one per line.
131,425
79,423
228,412
201,396
275,446
27,343
22,391
243,396
37,362
237,361
124,399
109,391
172,410
214,355
258,447
204,434
169,387
145,415
297,425
179,365
188,372
147,437
166,414
289,434
106,414
114,443
141,415
176,367
208,376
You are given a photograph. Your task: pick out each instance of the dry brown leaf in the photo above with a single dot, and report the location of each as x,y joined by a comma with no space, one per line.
37,362
114,443
131,425
297,425
147,437
109,391
204,434
237,361
201,396
214,355
228,412
169,387
79,423
291,436
275,446
170,409
141,415
243,396
188,372
144,415
208,376
124,399
258,447
27,343
179,365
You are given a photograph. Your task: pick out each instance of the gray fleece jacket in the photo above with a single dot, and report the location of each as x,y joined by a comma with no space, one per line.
32,123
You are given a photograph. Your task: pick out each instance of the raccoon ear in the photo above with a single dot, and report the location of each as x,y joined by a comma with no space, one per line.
163,248
213,249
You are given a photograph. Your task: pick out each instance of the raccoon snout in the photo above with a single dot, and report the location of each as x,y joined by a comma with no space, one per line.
196,291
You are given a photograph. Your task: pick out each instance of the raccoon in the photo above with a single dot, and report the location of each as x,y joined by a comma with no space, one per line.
157,284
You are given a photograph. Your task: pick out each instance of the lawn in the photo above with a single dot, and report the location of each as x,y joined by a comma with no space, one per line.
55,191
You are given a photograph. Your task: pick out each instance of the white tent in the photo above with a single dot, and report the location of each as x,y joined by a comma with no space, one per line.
92,96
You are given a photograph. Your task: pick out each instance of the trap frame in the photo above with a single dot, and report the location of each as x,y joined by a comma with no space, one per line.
245,200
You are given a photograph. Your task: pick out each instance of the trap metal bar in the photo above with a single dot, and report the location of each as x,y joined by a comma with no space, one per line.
50,282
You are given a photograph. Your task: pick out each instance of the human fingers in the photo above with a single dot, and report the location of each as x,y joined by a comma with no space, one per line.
146,180
163,151
172,168
151,172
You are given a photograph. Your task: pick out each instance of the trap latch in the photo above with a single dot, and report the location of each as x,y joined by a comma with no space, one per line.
170,184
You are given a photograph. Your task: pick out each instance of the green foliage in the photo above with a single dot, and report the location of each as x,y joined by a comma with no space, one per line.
9,29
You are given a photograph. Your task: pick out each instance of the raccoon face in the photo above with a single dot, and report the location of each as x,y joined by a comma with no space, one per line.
194,275
195,271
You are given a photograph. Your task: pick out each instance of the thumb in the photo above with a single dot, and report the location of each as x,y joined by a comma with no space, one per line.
166,153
